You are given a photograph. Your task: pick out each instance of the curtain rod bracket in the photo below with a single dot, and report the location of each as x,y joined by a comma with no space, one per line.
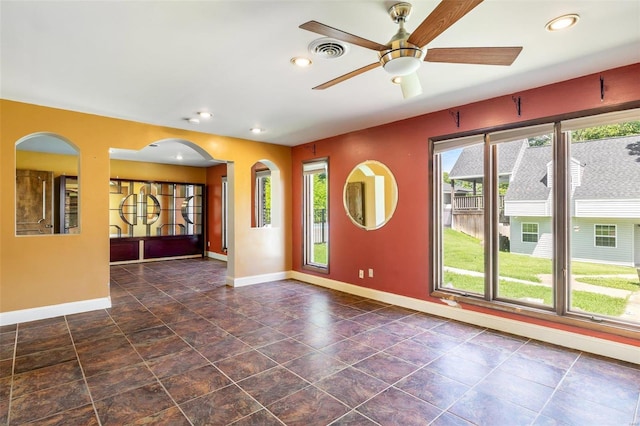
456,117
518,102
312,148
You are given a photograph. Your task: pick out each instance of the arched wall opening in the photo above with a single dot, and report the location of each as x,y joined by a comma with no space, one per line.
47,173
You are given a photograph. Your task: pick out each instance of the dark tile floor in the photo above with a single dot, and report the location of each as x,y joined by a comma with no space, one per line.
179,347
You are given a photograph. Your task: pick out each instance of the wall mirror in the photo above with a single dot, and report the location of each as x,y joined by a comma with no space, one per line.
370,195
47,189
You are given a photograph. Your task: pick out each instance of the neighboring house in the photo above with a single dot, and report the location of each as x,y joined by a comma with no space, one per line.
605,207
446,201
605,191
467,210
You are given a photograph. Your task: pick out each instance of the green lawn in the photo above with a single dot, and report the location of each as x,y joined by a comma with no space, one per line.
612,282
465,252
585,301
320,253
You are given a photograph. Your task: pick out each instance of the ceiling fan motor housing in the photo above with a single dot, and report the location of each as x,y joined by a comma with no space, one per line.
402,57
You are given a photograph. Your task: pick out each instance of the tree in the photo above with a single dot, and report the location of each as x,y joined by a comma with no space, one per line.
608,131
541,140
319,191
592,133
445,177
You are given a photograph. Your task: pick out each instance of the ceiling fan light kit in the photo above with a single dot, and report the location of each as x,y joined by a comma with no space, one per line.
401,61
403,54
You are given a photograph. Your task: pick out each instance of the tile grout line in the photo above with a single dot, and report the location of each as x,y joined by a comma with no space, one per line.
233,382
557,386
491,372
84,376
13,369
278,364
146,364
468,340
379,351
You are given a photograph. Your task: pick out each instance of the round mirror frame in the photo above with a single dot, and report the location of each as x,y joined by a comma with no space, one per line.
378,181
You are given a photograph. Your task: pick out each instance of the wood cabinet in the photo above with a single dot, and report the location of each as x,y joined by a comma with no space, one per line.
151,220
66,205
34,202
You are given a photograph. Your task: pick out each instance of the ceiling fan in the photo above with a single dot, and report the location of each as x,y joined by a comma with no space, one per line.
401,56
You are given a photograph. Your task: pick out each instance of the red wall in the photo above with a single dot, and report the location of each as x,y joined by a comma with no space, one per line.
214,207
399,252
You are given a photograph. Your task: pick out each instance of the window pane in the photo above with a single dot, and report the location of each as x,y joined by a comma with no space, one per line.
316,221
261,192
524,220
462,219
530,232
225,213
605,221
263,199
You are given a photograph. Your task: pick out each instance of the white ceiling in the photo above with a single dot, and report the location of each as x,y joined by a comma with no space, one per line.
160,62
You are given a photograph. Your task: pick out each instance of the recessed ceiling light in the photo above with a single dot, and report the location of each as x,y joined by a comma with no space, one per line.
256,130
193,120
179,157
301,62
562,22
205,114
396,80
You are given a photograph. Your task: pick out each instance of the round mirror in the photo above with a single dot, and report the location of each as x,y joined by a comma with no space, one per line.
370,195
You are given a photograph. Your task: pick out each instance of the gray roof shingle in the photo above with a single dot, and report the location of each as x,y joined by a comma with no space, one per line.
469,163
610,170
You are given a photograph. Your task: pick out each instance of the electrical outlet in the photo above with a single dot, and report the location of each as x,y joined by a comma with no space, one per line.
370,272
208,243
361,273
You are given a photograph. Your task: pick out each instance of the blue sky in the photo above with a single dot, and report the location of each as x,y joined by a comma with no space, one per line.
449,158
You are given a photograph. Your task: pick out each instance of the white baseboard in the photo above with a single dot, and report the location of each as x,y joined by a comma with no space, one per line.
44,312
218,256
564,338
257,279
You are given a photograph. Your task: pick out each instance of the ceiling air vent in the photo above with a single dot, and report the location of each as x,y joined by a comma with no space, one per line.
328,48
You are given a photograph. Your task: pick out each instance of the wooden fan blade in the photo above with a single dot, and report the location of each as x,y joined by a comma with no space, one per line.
447,13
325,30
347,76
474,55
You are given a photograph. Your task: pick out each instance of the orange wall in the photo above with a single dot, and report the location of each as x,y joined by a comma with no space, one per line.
214,207
136,170
400,252
42,271
56,163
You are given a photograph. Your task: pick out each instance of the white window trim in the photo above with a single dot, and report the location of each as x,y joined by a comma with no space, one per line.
615,236
522,232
